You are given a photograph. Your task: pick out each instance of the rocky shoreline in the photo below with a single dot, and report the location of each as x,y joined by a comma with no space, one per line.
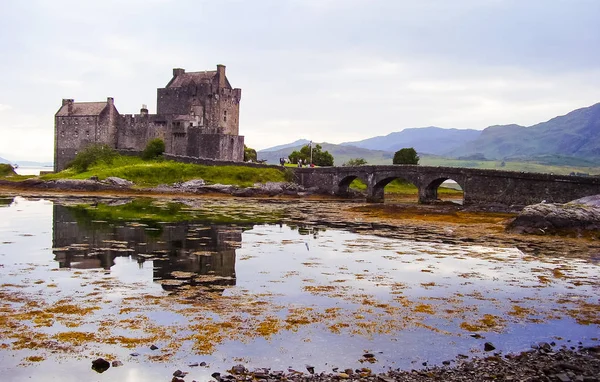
196,186
543,363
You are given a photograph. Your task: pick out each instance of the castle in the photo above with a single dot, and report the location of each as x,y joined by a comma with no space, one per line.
197,116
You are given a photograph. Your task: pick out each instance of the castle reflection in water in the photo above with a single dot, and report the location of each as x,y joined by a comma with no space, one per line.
182,253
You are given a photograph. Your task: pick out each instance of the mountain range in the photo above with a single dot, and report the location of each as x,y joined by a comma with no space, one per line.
574,135
426,140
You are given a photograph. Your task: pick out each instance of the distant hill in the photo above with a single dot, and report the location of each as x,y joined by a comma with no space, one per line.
428,140
341,154
298,143
576,134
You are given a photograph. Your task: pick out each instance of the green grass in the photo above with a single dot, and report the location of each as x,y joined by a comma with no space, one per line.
152,173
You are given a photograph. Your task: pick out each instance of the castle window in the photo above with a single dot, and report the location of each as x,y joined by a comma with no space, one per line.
191,124
224,119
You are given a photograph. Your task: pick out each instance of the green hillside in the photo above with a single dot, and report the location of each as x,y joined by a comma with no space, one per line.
576,134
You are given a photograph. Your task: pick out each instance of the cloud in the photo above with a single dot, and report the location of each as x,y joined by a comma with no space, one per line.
327,70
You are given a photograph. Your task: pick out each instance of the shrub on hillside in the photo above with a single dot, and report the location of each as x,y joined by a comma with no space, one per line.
6,169
154,149
91,155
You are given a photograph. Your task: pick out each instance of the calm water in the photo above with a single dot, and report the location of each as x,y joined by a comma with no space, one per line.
76,286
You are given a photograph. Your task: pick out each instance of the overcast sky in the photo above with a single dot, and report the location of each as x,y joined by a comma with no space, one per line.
325,70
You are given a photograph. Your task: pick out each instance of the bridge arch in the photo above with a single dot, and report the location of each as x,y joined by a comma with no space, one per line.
429,193
377,187
344,184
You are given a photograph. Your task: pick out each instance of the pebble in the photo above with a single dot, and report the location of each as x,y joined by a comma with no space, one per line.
100,365
153,347
116,363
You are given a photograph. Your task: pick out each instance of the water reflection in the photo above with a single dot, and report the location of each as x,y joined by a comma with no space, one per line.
5,201
286,295
180,253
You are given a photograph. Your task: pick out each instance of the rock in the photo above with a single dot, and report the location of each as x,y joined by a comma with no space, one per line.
134,354
476,336
563,377
153,347
177,379
179,373
193,364
238,369
385,378
551,218
216,376
369,355
118,181
100,365
192,184
488,346
116,363
311,369
343,375
203,364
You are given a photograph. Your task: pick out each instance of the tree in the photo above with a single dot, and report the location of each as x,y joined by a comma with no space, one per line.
249,154
406,156
154,149
319,157
355,162
91,155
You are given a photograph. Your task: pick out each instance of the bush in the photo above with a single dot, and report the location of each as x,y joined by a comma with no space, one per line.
249,154
355,162
154,149
92,155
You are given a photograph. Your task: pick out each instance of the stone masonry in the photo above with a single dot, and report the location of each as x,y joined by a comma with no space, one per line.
197,117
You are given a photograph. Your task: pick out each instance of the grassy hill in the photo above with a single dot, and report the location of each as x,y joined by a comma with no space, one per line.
555,164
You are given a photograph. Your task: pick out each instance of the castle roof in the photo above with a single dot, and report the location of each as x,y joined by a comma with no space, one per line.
82,109
184,79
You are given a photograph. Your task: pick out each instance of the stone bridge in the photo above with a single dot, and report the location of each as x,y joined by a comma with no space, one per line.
479,186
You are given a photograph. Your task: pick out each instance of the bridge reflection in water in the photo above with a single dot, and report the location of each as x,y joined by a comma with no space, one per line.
181,253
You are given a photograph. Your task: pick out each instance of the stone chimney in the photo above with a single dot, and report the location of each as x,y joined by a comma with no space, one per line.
69,103
110,101
144,110
178,71
221,75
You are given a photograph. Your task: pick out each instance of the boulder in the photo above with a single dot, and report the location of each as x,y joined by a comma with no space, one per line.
192,184
118,181
551,218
